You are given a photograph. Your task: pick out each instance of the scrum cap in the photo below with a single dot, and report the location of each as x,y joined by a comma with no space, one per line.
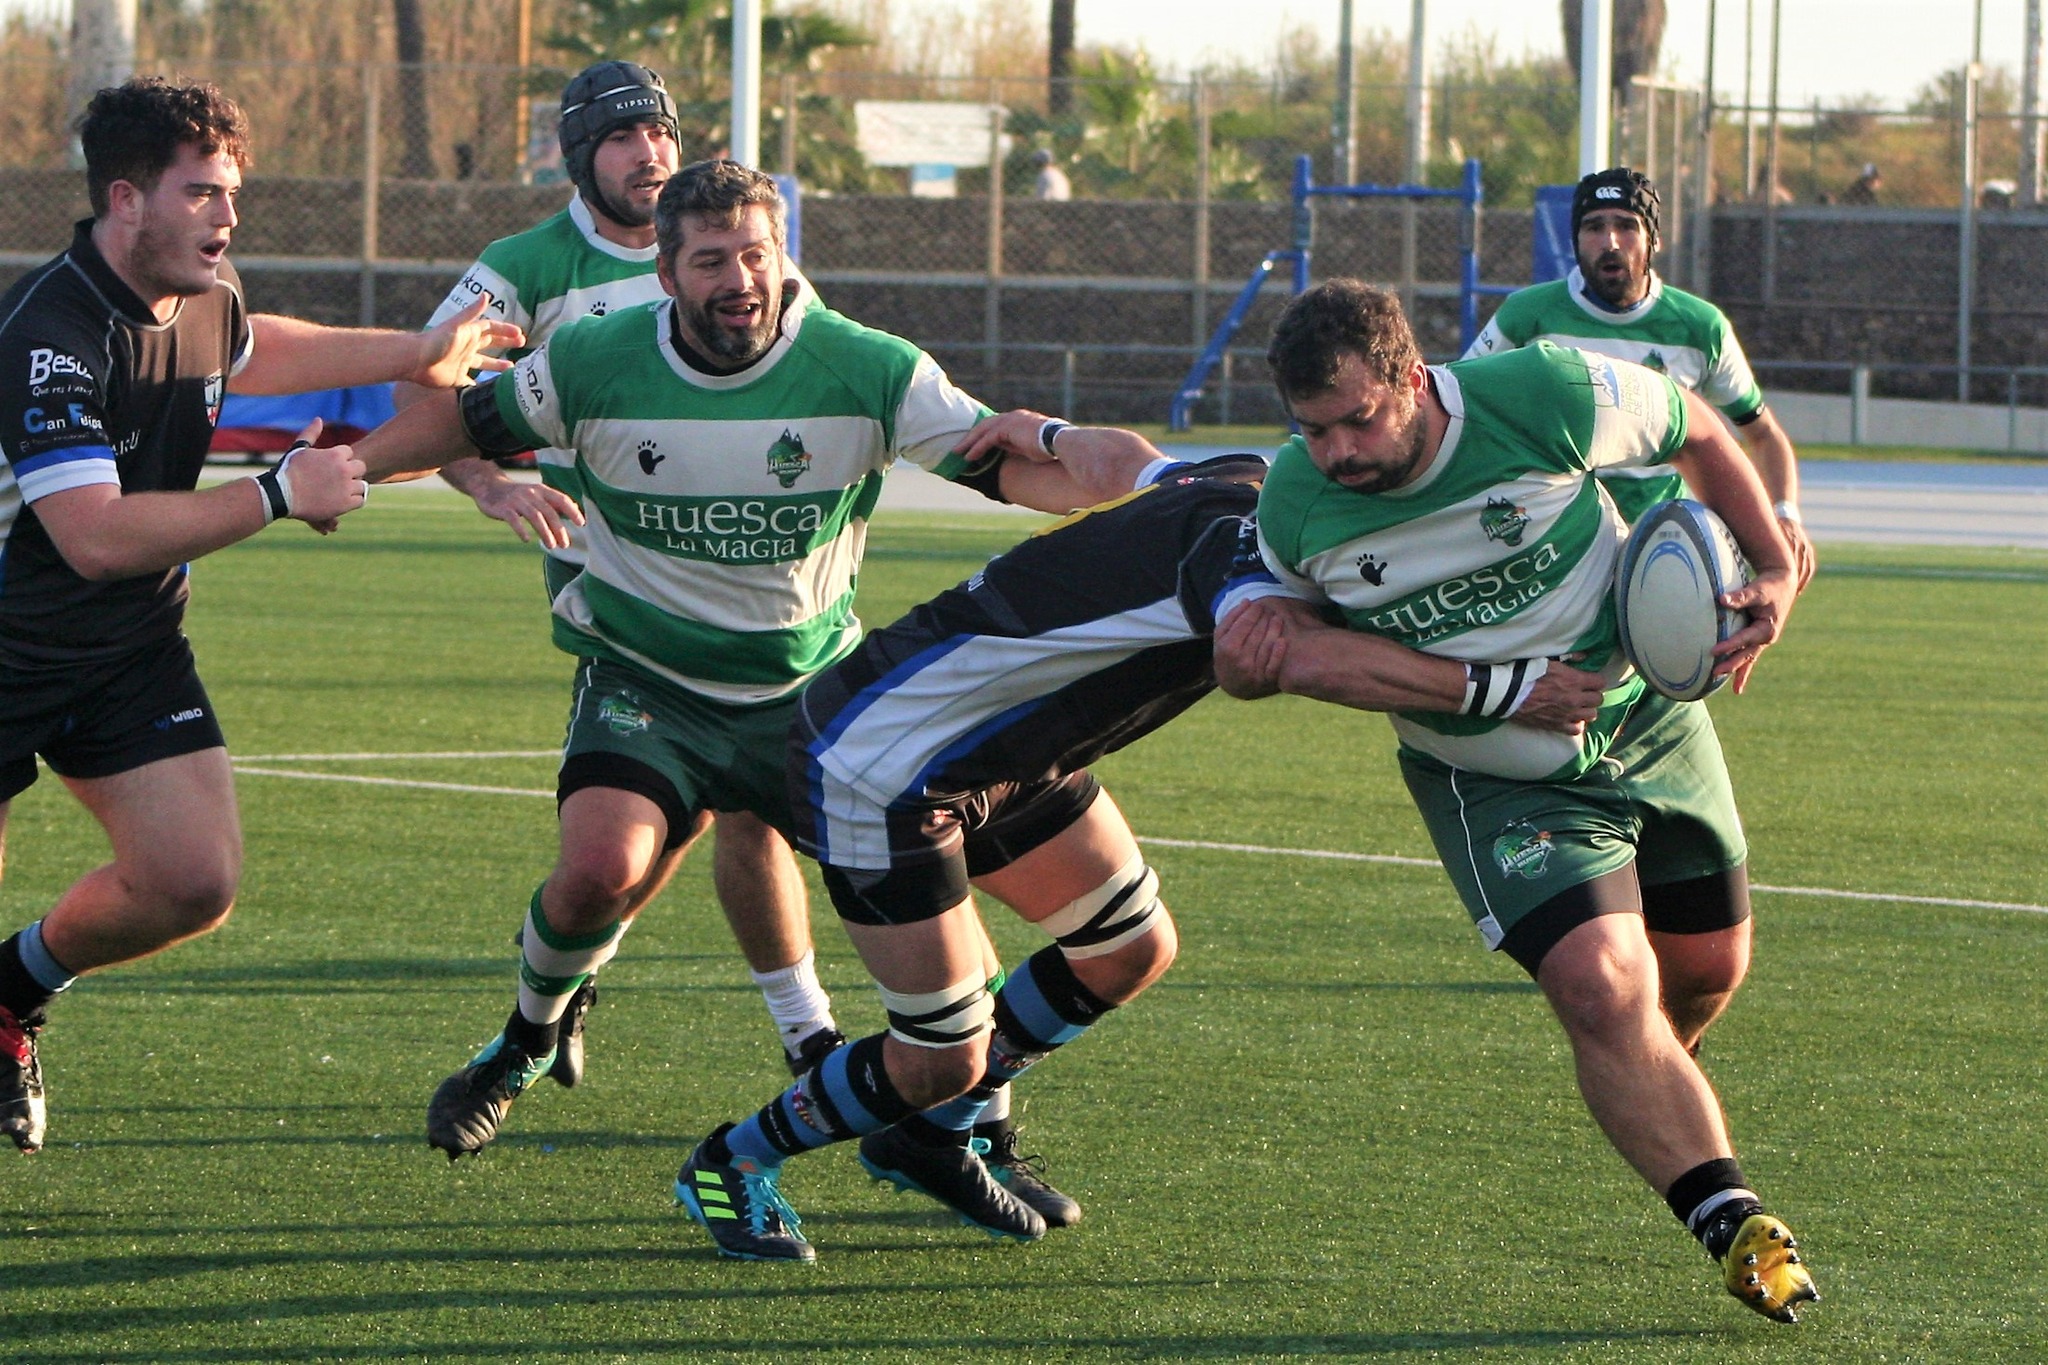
605,96
1618,187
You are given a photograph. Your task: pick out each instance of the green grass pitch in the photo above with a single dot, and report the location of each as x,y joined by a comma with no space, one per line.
1337,1128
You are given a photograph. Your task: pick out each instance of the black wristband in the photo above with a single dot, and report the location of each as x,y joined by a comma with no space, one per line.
275,504
277,501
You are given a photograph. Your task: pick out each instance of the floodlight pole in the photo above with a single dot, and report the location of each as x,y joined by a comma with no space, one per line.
1344,119
746,82
1418,92
2030,111
1596,77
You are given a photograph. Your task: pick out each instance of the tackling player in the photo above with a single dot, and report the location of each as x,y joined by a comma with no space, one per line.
732,439
113,361
596,257
1452,509
1614,303
953,747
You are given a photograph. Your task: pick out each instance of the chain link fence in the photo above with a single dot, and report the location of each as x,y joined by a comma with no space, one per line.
375,184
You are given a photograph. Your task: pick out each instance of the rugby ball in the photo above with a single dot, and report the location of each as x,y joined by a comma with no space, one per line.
1676,564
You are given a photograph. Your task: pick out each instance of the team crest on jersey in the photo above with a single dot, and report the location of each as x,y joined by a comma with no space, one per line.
216,386
650,458
1371,569
1522,850
788,461
623,714
1503,521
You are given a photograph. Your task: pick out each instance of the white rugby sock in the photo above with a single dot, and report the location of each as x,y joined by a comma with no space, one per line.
797,1003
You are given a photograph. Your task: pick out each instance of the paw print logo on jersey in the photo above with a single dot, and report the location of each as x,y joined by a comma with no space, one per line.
1503,521
650,458
623,714
1522,850
1371,569
788,461
599,309
1655,361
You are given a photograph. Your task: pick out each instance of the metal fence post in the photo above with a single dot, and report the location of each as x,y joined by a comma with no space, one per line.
1067,384
366,286
1966,245
992,302
1859,405
1225,414
1199,313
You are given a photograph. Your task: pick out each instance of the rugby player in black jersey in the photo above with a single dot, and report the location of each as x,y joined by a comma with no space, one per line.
952,747
114,358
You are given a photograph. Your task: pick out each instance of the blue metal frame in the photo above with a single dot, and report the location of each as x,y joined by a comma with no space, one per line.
1469,194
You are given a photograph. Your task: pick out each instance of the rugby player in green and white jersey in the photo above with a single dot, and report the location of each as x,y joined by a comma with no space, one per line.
618,136
1615,304
1453,510
731,445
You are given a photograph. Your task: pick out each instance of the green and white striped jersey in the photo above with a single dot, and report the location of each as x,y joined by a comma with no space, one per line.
728,513
1677,334
557,272
1503,547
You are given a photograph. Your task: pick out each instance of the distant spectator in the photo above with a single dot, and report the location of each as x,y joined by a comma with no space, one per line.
1863,189
1052,181
1998,194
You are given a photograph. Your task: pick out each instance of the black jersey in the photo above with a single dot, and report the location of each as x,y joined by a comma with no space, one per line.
1072,645
93,389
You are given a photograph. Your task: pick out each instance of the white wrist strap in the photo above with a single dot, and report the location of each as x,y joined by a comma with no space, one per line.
1049,431
1786,511
1497,691
271,483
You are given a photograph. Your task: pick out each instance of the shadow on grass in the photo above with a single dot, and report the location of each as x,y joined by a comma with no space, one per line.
783,1345
1510,987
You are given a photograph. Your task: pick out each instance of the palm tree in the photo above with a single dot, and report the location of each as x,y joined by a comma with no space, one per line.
1638,33
1059,60
417,162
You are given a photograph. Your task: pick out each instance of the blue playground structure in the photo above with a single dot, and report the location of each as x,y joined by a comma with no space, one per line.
1469,196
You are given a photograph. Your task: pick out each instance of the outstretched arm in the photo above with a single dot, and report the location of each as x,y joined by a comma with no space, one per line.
1085,465
292,355
105,534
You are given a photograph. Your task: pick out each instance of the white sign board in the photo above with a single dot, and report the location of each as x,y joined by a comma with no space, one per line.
924,132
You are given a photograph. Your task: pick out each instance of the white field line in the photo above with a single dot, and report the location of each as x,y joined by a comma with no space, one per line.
1206,845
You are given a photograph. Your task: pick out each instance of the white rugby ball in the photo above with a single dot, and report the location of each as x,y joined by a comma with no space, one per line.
1678,561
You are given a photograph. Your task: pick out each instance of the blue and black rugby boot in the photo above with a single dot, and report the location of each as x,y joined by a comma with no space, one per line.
740,1204
956,1177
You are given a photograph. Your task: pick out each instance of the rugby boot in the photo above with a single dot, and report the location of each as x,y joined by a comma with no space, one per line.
567,1070
1763,1269
814,1048
740,1204
21,1082
467,1108
956,1177
1023,1176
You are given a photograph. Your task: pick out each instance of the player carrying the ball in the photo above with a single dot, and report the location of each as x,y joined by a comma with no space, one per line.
1453,510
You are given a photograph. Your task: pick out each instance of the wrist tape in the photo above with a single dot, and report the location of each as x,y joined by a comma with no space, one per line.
1497,691
277,494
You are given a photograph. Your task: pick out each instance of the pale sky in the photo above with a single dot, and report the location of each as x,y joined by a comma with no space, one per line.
1833,49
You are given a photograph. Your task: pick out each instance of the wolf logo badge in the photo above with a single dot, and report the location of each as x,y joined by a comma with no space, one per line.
1503,521
788,461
